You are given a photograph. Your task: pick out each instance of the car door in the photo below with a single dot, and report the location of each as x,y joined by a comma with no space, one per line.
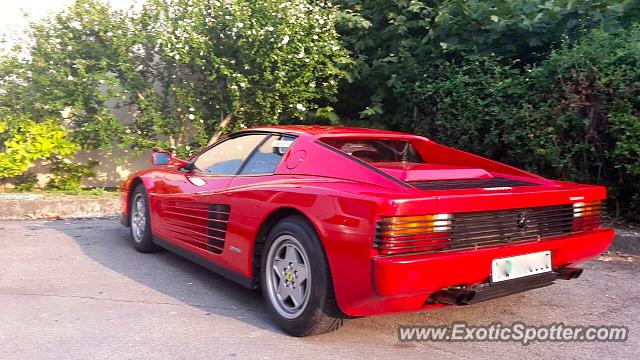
197,218
250,195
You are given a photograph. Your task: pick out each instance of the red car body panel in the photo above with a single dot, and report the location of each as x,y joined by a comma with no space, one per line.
344,198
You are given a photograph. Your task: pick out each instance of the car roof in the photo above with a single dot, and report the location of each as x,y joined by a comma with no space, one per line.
330,131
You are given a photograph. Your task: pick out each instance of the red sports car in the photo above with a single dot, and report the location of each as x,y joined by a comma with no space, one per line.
334,222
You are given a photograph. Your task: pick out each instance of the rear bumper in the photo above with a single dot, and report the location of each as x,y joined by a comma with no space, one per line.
414,277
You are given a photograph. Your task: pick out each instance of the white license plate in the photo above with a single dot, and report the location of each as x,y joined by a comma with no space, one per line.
520,266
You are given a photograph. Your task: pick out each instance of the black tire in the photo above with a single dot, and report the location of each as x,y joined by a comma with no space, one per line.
320,314
141,242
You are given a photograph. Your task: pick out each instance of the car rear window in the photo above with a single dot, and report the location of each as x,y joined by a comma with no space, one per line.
377,150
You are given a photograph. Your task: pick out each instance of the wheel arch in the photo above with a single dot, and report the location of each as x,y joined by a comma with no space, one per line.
269,222
133,183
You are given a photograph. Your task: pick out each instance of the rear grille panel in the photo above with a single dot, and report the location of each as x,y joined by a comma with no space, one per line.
490,228
468,183
514,225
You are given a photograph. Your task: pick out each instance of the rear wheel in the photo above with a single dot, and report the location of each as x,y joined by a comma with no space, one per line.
296,281
139,222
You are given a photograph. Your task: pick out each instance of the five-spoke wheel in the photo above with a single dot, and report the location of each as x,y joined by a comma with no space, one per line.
296,281
139,221
138,217
289,282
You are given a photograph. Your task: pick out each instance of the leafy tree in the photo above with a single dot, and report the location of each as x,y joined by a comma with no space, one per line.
71,69
550,86
186,70
237,63
400,43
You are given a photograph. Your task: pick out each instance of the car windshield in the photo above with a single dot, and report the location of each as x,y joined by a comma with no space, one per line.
227,157
377,150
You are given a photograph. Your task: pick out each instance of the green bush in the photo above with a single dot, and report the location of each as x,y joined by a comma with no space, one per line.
587,110
24,182
67,176
23,141
467,105
551,86
574,116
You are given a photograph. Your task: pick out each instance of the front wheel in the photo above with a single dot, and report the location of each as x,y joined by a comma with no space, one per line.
139,221
296,281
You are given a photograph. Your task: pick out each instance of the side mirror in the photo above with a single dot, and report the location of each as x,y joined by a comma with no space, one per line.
161,158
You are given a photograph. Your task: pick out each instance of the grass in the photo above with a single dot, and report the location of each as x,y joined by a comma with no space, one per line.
86,193
92,193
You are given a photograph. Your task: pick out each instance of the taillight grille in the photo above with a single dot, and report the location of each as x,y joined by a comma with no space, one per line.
401,234
587,216
397,235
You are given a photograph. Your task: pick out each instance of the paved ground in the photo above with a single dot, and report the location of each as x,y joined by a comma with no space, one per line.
77,289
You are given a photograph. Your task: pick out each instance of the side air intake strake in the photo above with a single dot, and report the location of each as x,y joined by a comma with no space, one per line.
217,227
199,224
468,183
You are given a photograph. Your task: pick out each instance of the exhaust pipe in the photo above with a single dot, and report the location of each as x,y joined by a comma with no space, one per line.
453,296
567,273
488,291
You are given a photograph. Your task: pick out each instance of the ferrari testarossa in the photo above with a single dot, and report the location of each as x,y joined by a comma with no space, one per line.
335,222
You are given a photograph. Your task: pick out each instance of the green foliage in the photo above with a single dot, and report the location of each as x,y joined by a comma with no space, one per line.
399,43
74,61
181,71
587,102
67,176
574,116
241,63
23,141
467,105
551,86
24,182
523,29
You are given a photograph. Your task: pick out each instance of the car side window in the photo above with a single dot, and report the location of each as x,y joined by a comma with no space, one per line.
267,157
227,157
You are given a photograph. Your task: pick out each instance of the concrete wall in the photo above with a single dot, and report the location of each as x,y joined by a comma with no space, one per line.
111,170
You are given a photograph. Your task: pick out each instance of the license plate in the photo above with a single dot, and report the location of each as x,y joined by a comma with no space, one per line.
520,266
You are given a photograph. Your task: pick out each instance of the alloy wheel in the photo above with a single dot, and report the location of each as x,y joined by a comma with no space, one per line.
288,276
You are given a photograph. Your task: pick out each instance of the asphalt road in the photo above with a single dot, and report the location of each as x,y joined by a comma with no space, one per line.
76,289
